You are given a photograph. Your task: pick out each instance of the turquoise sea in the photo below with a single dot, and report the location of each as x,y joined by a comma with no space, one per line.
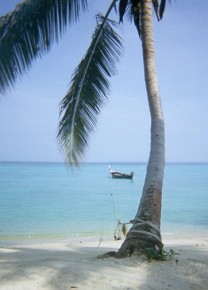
50,200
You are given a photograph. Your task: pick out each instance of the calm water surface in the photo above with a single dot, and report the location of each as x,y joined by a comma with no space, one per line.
49,200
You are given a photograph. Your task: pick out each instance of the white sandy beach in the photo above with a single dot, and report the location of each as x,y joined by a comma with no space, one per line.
74,265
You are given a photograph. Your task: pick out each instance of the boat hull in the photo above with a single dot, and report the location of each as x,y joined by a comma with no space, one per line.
119,175
123,176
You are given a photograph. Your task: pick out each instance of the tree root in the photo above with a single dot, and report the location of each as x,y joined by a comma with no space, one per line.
140,237
107,255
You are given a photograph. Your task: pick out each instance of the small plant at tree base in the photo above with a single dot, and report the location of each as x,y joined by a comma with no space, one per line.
159,254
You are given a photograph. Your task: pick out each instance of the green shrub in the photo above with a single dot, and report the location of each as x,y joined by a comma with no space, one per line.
159,254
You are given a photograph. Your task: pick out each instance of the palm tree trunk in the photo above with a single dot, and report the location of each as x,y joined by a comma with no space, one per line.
145,231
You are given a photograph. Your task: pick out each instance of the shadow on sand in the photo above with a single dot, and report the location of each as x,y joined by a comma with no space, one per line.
47,266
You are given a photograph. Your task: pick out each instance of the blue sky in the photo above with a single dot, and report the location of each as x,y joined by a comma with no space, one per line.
29,113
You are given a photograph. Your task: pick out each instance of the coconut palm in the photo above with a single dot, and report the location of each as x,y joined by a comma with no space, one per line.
29,31
145,232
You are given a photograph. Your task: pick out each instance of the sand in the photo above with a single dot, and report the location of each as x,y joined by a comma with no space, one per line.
60,265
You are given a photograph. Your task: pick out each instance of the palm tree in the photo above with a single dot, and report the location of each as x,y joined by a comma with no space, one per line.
145,232
30,30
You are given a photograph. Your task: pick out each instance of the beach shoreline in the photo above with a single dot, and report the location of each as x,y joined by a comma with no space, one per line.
176,233
74,264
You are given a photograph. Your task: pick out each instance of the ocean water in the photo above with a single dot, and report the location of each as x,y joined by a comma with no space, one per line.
44,200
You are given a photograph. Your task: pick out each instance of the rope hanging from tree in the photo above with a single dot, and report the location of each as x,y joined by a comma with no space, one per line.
121,227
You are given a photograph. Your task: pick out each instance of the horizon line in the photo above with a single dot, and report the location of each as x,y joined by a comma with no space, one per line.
99,162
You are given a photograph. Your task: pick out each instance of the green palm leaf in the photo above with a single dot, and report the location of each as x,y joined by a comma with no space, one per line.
29,31
88,91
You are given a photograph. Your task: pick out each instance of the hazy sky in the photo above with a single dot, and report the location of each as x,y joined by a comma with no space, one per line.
29,114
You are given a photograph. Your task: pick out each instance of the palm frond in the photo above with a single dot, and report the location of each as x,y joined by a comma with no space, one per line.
136,12
122,9
162,8
89,89
29,31
156,8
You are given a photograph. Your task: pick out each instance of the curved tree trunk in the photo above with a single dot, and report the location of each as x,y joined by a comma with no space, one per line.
145,231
